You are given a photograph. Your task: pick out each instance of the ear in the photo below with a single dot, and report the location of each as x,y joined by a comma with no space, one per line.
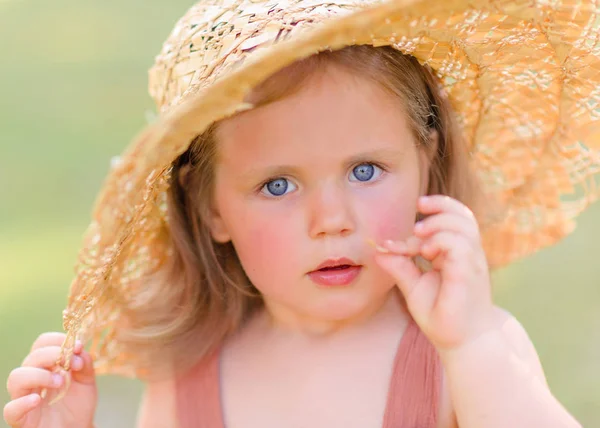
217,226
426,156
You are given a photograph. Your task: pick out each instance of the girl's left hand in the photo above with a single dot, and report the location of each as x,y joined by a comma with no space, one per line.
452,302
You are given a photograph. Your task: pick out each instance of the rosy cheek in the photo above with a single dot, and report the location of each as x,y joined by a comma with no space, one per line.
270,238
265,245
391,219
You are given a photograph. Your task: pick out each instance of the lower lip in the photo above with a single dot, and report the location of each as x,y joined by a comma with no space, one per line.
335,276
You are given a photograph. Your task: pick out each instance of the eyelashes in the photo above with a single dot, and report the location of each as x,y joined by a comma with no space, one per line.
364,172
278,186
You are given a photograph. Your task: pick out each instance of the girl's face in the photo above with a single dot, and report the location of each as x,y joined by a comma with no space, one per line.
307,181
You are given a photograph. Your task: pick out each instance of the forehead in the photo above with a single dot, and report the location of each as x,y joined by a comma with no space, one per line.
334,113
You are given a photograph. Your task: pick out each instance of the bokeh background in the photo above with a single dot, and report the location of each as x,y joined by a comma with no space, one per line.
73,78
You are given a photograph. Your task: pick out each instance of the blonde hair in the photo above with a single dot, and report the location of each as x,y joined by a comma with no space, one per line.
204,295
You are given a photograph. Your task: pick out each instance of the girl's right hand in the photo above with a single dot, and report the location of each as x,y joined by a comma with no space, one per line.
27,408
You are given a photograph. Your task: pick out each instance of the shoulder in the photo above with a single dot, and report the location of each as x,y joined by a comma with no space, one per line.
158,407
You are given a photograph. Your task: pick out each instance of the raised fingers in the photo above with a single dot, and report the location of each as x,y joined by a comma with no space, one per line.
47,357
409,247
448,222
433,204
450,247
48,339
16,410
23,380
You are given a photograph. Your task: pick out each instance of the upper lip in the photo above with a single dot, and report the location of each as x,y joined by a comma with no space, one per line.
336,262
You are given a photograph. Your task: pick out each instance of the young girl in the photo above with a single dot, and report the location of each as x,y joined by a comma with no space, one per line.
320,256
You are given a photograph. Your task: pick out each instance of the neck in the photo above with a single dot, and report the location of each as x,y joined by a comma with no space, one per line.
390,310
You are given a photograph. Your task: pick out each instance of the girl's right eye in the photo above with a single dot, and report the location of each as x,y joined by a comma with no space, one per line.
278,187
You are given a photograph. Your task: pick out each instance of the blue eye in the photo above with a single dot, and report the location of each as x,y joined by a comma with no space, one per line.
365,172
278,187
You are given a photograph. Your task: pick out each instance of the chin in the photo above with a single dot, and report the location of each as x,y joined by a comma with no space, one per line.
341,306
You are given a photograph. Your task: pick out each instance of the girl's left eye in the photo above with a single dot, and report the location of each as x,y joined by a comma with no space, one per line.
365,172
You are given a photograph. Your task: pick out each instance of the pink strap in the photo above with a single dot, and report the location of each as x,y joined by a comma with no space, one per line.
199,396
414,395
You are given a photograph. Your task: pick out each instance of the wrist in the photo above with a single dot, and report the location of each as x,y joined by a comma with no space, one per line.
488,340
468,332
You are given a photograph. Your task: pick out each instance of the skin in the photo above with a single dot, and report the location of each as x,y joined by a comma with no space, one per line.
27,409
493,373
325,213
494,378
330,334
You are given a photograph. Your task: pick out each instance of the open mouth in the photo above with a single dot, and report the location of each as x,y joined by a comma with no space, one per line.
335,272
339,267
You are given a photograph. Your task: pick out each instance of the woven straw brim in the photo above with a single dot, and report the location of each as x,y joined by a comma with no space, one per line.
523,78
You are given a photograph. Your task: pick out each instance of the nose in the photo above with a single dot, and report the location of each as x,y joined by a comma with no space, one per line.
330,212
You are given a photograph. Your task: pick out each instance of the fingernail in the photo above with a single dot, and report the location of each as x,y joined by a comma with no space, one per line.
385,247
57,380
378,248
418,226
34,398
394,244
77,363
397,247
382,249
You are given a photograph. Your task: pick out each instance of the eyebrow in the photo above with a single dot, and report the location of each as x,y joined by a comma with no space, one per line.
395,153
257,174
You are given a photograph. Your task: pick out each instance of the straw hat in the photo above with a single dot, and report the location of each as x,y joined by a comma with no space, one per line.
522,76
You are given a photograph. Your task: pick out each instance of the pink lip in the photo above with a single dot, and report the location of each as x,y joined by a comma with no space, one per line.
335,272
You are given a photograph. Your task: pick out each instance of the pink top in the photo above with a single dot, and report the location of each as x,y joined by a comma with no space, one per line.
413,398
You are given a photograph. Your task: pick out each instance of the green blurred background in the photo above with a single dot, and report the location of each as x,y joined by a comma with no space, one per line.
73,94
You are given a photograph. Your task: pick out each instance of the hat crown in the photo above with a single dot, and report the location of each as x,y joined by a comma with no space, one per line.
215,35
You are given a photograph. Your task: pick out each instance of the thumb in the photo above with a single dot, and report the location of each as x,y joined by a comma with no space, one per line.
82,374
419,289
86,374
402,269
